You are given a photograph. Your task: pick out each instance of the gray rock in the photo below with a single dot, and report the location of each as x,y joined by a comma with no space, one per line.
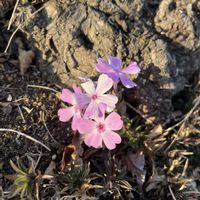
69,36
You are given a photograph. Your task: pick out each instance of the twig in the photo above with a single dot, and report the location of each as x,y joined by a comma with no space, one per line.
38,160
10,39
12,16
138,112
171,192
185,167
45,125
192,192
37,11
182,123
186,116
26,136
21,114
19,26
42,87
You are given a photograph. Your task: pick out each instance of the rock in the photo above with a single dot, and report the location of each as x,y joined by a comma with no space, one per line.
179,22
69,36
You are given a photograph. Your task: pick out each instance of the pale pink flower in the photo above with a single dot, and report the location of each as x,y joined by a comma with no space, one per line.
97,96
78,100
101,131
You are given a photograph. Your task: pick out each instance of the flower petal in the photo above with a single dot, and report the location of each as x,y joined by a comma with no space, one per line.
65,114
127,82
114,76
82,99
92,110
108,99
102,110
86,126
113,122
110,108
104,84
132,68
75,122
76,89
115,62
67,96
94,139
110,139
88,87
103,67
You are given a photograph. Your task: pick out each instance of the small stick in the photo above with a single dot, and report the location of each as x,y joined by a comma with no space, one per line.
182,123
26,136
12,16
10,39
42,87
138,112
187,115
38,160
171,192
45,125
185,168
21,114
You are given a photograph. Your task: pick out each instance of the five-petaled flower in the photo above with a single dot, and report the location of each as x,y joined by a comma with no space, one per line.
101,130
78,100
114,71
97,96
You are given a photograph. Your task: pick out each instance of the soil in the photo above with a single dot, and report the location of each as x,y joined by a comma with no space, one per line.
62,40
32,111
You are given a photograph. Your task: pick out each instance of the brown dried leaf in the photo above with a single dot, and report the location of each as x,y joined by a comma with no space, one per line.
76,141
156,138
51,9
50,168
196,173
25,59
155,132
155,182
135,164
122,107
69,154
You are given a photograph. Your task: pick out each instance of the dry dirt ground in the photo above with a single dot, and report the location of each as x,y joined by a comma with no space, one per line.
48,45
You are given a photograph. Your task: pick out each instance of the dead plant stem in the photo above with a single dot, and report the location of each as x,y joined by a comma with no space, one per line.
26,136
12,16
42,87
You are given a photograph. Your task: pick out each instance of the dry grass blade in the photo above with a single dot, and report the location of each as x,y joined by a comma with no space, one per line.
138,112
26,136
171,192
197,102
182,123
42,87
10,39
19,26
12,16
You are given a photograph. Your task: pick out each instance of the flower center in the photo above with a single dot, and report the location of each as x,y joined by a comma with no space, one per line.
94,97
100,127
76,109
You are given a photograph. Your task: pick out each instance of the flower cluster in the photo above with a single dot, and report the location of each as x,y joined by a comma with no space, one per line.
88,109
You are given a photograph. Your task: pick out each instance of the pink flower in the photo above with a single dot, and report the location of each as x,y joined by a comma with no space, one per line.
114,71
78,100
101,130
97,96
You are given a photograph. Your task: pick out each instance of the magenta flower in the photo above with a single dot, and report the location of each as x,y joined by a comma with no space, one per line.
97,96
114,71
78,100
101,130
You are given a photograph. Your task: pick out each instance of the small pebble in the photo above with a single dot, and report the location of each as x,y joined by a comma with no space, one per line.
54,157
9,98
